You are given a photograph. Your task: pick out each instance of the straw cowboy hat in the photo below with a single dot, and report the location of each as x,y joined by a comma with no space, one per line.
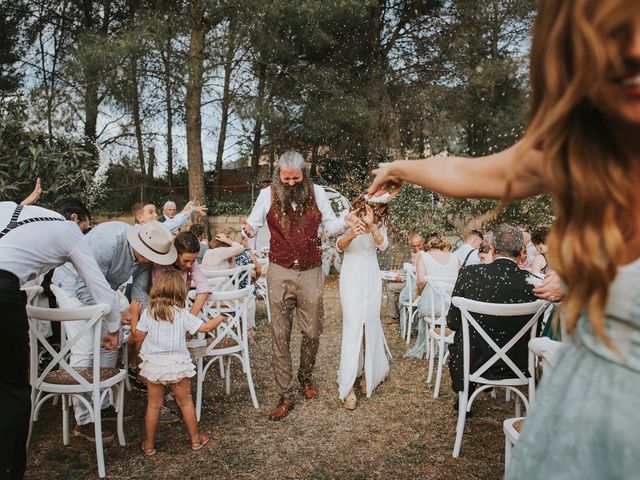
153,241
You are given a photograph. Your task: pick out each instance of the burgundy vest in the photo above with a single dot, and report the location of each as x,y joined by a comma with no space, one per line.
299,242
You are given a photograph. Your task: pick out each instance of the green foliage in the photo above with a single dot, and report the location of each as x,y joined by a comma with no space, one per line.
65,167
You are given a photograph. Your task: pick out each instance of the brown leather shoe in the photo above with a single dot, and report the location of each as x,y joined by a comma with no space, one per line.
282,409
310,392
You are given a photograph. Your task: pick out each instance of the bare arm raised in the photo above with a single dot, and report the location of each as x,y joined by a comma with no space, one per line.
466,177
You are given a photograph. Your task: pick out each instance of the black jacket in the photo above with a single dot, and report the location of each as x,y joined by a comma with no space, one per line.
501,281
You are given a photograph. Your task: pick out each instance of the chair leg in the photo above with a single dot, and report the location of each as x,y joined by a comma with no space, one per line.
120,426
518,406
436,390
199,381
507,395
125,361
507,452
65,420
227,380
462,415
97,413
221,364
247,368
432,354
31,419
409,325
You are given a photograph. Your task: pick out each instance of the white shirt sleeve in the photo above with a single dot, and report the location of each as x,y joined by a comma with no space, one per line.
258,215
332,225
177,221
86,266
191,322
385,243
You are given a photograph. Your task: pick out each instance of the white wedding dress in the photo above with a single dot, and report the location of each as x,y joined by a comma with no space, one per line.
361,294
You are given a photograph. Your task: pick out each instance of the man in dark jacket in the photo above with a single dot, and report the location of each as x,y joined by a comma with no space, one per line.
501,281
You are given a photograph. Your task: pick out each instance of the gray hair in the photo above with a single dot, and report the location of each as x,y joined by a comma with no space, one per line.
291,159
169,204
508,240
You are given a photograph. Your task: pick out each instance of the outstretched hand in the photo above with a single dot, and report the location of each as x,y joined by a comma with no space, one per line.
385,181
34,196
354,222
248,231
368,216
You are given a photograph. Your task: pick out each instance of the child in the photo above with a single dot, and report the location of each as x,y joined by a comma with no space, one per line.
165,359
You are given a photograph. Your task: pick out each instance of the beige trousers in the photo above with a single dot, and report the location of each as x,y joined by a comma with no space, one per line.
299,290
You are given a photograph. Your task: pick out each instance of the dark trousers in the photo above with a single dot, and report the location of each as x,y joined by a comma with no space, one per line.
15,392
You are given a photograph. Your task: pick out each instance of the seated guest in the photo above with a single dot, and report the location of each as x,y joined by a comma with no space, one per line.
468,252
486,252
539,239
397,293
222,251
198,230
530,250
501,281
168,211
438,262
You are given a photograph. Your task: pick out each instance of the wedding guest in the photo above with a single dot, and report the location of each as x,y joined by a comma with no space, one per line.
467,253
33,196
397,292
486,252
581,146
198,230
25,256
363,341
539,239
168,211
501,281
222,251
144,212
121,251
436,262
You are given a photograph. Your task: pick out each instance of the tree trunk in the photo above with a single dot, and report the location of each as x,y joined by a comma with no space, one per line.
314,162
257,129
166,59
193,102
151,161
226,101
135,113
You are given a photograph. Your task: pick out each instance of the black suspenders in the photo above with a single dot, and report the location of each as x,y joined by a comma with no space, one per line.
467,257
14,223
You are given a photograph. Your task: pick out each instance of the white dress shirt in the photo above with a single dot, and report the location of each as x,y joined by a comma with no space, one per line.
330,222
33,249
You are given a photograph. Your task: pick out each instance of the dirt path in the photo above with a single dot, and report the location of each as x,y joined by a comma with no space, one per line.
401,432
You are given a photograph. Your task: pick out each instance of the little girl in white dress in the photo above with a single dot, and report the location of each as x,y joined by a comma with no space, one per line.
165,359
363,343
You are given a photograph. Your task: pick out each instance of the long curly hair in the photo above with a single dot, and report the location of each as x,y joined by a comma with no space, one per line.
573,54
169,291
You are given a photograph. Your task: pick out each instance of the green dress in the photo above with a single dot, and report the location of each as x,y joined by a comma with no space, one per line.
585,421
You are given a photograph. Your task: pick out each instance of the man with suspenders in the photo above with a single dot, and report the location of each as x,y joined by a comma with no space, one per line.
468,252
34,240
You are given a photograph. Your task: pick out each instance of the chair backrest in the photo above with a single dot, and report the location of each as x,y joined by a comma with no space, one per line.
228,279
547,350
233,304
440,288
467,307
91,315
411,281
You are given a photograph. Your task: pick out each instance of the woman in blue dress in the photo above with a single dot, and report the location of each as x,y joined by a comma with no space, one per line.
582,145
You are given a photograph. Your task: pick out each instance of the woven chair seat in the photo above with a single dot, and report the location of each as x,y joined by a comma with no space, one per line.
62,377
517,426
447,331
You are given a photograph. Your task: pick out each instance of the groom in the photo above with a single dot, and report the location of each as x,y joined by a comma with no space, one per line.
293,208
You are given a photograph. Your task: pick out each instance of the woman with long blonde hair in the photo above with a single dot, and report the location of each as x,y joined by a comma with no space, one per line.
583,146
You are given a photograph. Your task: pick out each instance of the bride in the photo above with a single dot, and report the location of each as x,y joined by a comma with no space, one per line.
363,341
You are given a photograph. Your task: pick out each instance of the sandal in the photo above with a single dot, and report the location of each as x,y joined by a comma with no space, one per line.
149,452
204,439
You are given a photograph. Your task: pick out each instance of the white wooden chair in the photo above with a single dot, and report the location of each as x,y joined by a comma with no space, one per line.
262,288
60,379
410,306
467,307
230,341
547,351
439,336
228,279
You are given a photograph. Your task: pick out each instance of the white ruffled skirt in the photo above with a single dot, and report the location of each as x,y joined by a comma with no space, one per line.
166,369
